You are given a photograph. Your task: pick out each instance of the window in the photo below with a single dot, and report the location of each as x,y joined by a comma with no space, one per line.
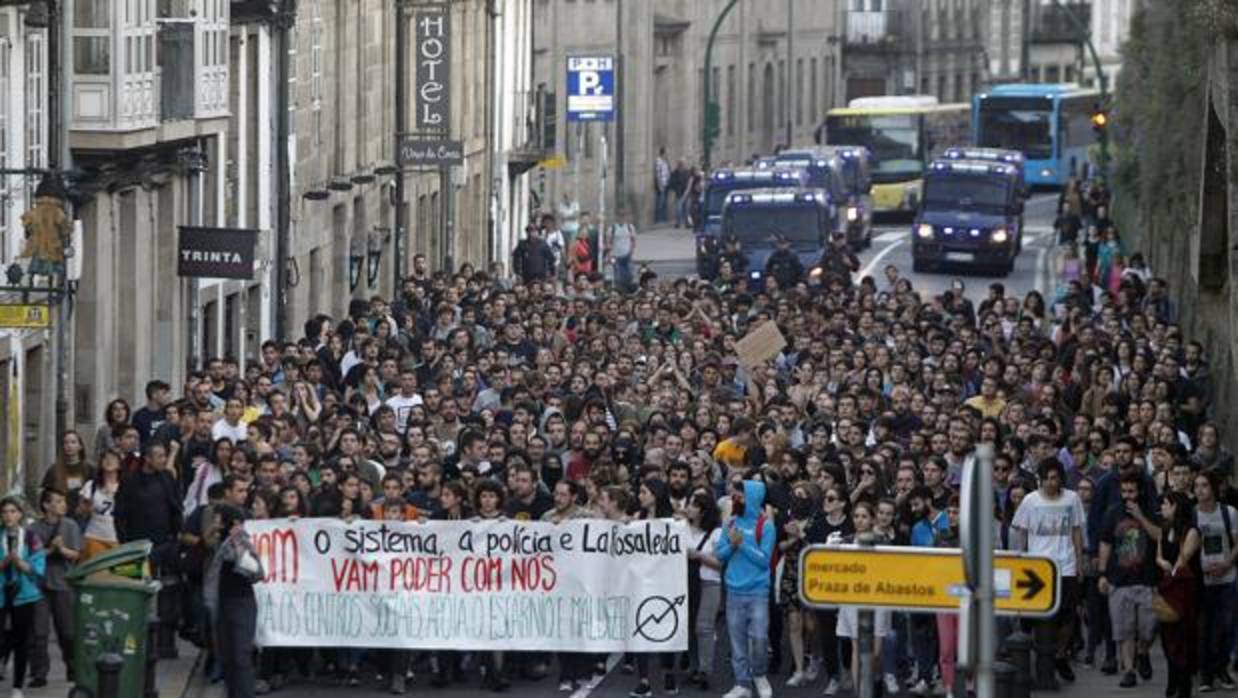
5,48
730,100
36,118
781,109
316,62
814,105
752,96
92,39
799,92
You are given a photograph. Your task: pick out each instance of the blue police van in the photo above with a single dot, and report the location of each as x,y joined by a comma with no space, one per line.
845,172
722,182
756,218
970,214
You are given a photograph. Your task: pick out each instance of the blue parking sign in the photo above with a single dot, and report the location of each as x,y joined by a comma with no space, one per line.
590,88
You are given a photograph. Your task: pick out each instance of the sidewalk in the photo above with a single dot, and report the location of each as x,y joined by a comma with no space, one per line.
174,675
665,243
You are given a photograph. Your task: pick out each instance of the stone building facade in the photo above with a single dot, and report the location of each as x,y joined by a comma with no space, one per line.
768,81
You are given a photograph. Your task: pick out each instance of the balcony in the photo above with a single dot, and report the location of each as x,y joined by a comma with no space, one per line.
1053,25
533,130
868,28
137,80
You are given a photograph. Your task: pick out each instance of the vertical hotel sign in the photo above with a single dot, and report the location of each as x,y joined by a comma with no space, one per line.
432,60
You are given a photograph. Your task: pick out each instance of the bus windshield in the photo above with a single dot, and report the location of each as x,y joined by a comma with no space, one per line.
1022,123
977,192
756,225
894,140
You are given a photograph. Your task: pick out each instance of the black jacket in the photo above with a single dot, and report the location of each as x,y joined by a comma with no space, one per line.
533,260
785,267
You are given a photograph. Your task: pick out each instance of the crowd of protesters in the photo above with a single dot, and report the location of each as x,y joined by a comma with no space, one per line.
550,397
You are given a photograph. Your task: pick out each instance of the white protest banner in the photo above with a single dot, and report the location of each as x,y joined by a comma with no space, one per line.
586,585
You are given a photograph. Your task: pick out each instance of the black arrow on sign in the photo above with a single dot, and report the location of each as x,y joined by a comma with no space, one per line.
1033,584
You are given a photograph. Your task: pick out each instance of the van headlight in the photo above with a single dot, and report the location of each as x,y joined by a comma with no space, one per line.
853,214
999,236
924,231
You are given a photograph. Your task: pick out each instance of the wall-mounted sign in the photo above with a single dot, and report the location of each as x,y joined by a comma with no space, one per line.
216,253
26,316
590,88
428,151
432,61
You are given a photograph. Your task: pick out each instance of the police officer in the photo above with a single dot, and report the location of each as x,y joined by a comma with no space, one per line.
784,265
838,262
735,255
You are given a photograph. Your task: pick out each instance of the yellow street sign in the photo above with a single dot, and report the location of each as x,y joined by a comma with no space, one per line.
916,579
32,317
554,162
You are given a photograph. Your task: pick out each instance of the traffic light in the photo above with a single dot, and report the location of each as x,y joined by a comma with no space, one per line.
1100,121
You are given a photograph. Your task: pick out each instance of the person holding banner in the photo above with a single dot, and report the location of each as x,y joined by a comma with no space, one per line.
704,584
747,550
230,580
488,499
654,503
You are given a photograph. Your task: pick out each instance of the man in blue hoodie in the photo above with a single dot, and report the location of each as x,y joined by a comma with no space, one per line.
748,546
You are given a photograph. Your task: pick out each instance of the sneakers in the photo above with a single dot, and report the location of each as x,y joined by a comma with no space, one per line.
1223,679
1144,664
642,690
1128,681
1063,669
738,692
1109,667
669,685
831,688
797,679
261,687
1205,686
920,689
764,690
892,688
814,669
567,686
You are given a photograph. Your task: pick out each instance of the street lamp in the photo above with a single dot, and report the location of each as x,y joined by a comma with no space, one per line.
707,138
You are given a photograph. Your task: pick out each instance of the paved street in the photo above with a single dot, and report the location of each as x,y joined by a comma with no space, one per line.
669,252
1090,683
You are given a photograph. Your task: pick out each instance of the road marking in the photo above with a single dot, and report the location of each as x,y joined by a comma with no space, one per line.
877,260
890,236
611,662
1041,255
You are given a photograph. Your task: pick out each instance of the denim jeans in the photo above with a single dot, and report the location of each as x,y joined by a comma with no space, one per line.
747,621
1219,602
623,273
659,206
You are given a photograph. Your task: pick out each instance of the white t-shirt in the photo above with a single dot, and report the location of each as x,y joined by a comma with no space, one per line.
1214,546
708,574
403,407
223,430
1049,525
101,525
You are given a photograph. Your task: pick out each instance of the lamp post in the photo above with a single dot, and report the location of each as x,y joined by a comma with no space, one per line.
710,115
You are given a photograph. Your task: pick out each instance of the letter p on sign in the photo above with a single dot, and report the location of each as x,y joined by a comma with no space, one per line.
590,82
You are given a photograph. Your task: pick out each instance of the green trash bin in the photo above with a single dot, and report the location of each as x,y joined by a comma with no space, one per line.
115,598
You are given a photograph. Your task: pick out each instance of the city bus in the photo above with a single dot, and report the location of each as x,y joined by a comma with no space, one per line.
904,134
1051,124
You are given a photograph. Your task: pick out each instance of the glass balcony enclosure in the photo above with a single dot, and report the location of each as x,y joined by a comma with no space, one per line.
138,63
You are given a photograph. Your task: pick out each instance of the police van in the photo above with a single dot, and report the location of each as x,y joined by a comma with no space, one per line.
970,214
722,182
843,173
756,218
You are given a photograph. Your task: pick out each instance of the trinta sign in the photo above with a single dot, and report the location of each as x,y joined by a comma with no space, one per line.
216,253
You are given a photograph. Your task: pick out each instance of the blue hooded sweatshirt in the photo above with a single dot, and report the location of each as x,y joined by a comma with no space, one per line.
748,566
